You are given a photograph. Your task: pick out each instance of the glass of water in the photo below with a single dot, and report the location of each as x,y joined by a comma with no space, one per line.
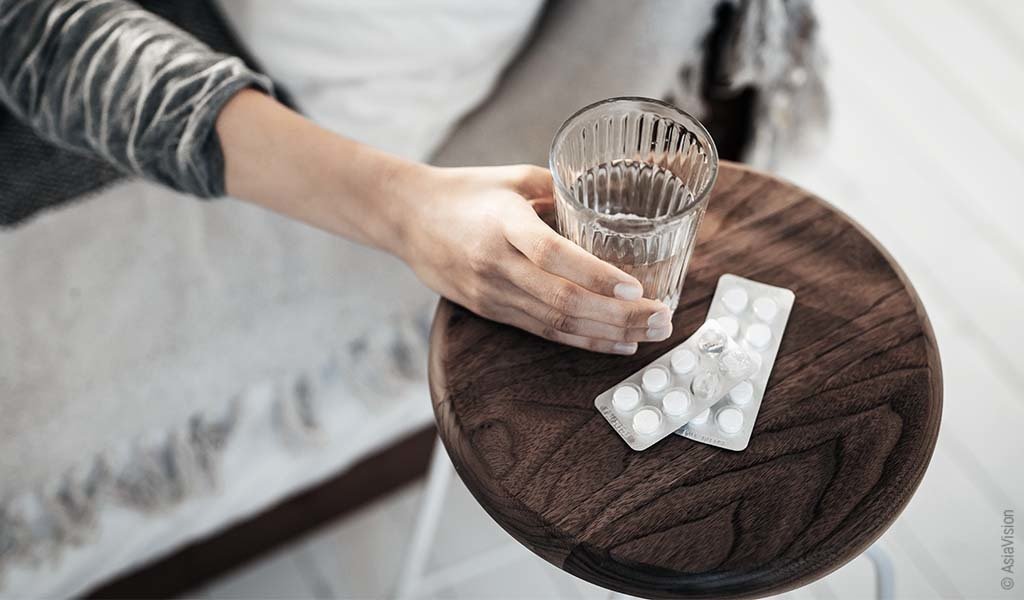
632,180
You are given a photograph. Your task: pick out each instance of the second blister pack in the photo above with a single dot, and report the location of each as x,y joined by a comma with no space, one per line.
756,315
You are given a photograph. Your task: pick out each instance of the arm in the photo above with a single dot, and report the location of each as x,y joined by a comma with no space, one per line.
471,234
106,78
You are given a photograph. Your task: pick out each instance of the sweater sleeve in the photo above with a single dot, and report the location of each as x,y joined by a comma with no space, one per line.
108,79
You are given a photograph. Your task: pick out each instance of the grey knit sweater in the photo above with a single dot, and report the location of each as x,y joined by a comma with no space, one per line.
108,79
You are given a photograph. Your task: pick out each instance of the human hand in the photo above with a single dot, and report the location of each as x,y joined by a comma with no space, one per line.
474,236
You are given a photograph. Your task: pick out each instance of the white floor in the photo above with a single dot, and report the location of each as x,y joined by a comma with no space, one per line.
927,152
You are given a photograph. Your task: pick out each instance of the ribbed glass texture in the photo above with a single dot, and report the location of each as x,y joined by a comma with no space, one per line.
632,179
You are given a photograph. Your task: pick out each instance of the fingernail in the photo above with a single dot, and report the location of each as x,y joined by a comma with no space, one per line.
658,333
628,291
660,318
624,348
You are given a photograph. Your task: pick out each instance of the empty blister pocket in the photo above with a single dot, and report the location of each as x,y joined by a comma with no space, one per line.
678,385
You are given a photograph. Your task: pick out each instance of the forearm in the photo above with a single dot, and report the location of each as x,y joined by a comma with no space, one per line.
282,161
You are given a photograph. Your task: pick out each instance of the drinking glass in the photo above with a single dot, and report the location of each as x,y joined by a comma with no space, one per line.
632,178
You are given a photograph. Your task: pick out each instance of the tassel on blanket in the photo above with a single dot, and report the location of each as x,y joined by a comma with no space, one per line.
156,472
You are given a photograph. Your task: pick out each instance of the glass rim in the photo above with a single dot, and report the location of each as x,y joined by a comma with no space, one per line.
686,120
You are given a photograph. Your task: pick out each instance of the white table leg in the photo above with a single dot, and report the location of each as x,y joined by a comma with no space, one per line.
884,577
426,522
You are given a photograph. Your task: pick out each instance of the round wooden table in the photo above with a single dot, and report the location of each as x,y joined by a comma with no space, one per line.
843,438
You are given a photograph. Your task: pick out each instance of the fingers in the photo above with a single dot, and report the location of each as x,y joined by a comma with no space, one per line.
582,326
545,284
522,320
532,182
546,212
536,185
555,254
568,298
558,256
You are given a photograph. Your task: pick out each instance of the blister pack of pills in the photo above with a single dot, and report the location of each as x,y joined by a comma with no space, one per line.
680,384
755,314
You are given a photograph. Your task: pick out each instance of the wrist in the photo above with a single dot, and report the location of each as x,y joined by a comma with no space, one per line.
398,203
279,160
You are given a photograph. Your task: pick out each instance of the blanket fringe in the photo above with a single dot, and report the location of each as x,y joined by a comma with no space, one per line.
157,471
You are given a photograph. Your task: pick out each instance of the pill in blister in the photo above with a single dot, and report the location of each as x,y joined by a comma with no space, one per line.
625,398
711,341
736,363
702,417
676,402
646,421
759,335
655,379
758,361
730,325
705,384
742,393
730,420
683,361
765,309
735,299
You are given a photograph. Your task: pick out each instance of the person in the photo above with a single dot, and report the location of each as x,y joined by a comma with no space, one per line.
106,78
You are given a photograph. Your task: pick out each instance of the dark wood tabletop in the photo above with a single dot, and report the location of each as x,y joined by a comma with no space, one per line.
844,435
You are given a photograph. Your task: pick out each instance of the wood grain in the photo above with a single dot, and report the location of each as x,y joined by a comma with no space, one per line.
843,438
